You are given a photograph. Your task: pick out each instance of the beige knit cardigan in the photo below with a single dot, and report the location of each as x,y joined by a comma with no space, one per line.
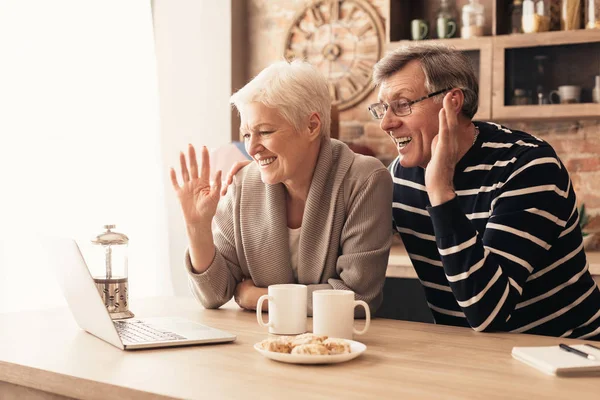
344,242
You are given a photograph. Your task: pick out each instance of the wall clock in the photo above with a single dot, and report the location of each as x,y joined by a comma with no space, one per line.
344,39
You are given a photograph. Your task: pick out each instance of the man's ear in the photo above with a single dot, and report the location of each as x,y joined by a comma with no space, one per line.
459,96
314,126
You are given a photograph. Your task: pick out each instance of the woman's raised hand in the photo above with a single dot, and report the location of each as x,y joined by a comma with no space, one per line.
198,198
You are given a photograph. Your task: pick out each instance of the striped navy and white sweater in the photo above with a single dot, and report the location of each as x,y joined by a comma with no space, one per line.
506,253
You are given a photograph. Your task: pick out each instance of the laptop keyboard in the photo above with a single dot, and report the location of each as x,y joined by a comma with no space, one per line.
139,332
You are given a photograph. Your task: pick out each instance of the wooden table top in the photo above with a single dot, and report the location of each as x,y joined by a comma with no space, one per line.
46,350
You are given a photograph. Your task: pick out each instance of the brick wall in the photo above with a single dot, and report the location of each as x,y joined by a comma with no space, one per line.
577,143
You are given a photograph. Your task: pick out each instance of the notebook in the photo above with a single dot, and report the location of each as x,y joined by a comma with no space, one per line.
91,314
554,361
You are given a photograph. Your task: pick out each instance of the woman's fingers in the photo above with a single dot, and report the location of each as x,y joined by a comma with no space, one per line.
193,162
174,180
184,171
217,185
205,171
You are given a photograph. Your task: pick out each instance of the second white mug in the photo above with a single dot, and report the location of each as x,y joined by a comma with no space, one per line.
287,309
566,94
333,313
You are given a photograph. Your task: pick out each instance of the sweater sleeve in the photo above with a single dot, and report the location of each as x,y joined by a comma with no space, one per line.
366,240
215,286
487,270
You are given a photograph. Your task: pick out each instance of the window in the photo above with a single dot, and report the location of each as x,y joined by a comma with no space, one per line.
79,140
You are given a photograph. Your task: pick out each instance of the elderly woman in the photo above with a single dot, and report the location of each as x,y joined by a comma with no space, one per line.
306,210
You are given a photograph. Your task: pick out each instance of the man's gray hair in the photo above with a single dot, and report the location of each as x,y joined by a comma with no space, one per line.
296,89
443,66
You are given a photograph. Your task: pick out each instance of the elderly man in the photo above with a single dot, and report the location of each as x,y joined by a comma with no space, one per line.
487,214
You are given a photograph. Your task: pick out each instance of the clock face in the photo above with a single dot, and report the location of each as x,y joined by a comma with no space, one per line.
344,39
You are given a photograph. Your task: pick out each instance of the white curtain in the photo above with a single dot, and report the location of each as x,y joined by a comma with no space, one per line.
79,140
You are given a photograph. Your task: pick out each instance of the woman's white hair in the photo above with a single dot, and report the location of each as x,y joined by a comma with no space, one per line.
296,89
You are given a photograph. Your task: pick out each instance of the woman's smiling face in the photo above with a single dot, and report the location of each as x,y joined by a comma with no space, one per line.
273,142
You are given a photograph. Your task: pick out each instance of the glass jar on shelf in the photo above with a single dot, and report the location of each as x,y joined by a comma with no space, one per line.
473,20
592,14
520,98
536,16
570,15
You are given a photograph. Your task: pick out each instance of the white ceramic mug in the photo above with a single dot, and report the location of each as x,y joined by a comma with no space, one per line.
566,94
287,309
333,313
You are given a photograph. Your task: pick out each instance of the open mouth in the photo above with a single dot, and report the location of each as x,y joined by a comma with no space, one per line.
402,142
266,161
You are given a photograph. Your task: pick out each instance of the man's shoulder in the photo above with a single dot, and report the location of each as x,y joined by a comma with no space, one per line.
495,133
501,141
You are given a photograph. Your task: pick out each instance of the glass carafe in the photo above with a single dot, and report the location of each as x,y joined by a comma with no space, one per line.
541,78
110,275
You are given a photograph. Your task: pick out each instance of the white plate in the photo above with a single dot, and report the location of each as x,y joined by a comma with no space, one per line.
356,349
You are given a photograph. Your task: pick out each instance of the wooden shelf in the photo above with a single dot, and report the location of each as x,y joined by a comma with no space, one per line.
477,43
547,112
580,50
543,43
556,38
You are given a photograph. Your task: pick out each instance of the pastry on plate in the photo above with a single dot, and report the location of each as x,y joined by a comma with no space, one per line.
281,344
337,346
307,338
311,349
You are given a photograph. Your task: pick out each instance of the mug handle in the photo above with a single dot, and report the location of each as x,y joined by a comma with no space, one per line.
550,97
367,315
452,26
259,304
424,30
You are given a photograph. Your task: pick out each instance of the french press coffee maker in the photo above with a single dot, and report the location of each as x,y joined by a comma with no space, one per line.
111,275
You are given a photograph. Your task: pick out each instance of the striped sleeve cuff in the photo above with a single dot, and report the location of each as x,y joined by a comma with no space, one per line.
448,218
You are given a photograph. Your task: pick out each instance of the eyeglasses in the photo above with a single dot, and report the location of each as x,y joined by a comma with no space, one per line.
401,107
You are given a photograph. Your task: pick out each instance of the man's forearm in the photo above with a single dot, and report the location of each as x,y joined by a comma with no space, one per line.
201,247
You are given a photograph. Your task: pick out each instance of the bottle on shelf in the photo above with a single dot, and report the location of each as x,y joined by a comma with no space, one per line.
592,14
472,20
596,91
570,15
541,80
446,21
516,16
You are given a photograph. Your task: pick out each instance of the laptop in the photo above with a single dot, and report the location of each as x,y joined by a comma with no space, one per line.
91,314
